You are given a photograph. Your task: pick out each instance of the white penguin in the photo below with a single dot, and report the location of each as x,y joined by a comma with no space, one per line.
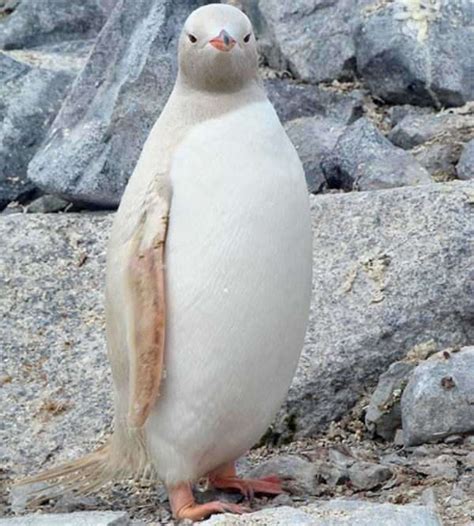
208,278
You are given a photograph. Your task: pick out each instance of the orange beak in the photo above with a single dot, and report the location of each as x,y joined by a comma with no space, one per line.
223,42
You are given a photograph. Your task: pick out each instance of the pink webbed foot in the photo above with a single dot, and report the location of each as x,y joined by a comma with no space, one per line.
184,506
226,478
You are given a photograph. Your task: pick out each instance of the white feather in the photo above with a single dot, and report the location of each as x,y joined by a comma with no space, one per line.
238,276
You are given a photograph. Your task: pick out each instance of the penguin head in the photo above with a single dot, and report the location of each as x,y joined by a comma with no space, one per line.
217,49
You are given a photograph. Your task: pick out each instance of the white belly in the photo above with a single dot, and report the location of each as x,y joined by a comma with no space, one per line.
238,270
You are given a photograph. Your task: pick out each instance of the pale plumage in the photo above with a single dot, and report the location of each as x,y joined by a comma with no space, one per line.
219,193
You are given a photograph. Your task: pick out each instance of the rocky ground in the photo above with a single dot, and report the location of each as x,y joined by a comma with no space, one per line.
378,98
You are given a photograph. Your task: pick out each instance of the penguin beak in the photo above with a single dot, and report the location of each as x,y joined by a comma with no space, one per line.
223,42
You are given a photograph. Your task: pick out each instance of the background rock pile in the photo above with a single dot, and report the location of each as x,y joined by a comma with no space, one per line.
378,98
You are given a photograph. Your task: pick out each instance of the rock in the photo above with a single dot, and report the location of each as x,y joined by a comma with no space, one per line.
418,53
293,100
442,467
46,204
414,130
439,398
36,23
58,397
80,518
398,113
93,145
298,475
465,167
363,159
314,138
392,270
334,513
366,475
383,416
33,85
398,438
312,40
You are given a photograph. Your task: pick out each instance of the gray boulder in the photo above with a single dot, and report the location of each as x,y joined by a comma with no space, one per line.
383,416
40,22
392,270
312,39
314,138
56,379
337,512
465,167
418,52
436,141
363,159
439,398
293,100
93,145
33,85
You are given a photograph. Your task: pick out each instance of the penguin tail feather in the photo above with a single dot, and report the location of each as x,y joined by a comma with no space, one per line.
115,460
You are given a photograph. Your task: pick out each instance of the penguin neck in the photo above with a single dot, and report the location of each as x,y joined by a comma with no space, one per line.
193,106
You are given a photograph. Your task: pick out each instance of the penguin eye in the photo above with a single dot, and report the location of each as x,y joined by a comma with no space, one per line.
192,38
247,37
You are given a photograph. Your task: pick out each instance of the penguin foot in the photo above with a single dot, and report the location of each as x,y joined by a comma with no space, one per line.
226,478
184,506
249,487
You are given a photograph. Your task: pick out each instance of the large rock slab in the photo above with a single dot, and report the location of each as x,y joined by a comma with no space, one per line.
363,159
392,269
94,143
40,22
334,513
439,398
33,85
80,518
55,376
418,52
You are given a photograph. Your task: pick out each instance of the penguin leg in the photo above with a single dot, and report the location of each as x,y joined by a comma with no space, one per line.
184,506
225,477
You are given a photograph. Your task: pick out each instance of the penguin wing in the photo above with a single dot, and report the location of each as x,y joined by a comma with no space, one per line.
146,318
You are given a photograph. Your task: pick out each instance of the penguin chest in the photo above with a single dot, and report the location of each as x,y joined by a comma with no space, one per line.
238,276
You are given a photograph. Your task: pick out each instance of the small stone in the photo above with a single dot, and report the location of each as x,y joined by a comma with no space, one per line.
442,467
453,439
46,204
383,416
468,460
366,475
428,498
465,167
398,438
298,475
438,400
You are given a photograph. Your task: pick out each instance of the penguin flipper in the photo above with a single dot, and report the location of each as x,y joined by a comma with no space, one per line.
146,320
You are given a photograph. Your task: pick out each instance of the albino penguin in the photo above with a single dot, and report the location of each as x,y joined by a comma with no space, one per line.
208,278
